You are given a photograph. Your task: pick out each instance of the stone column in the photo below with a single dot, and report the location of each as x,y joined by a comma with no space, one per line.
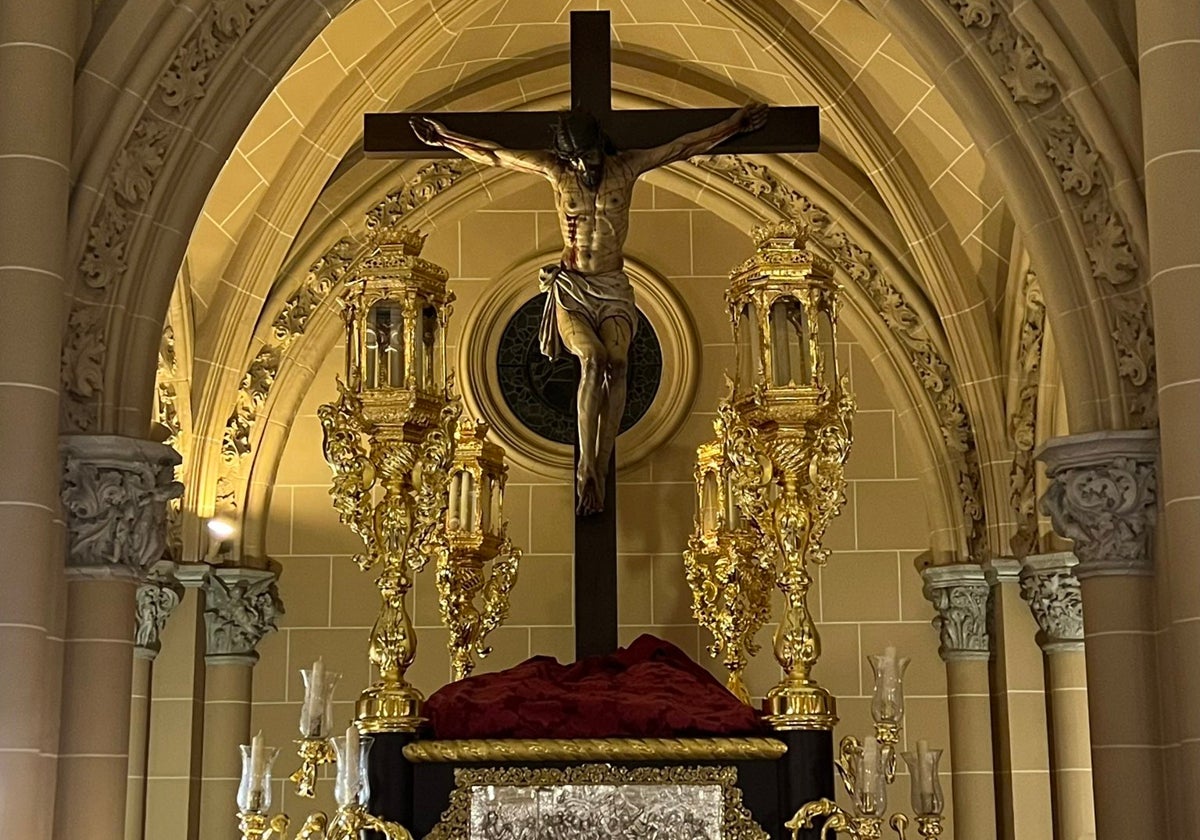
37,70
959,593
114,495
1021,746
1168,33
157,598
240,608
1049,584
1101,494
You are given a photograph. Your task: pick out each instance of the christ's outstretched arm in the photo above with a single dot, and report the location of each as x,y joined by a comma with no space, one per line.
747,118
486,152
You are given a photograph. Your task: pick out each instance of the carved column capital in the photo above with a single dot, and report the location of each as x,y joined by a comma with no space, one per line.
1102,495
1049,584
240,607
157,598
114,497
959,593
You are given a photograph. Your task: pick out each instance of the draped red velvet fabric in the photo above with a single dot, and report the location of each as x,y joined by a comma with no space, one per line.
650,689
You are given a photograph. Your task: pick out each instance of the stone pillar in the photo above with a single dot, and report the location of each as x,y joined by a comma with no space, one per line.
240,608
959,593
37,70
1168,33
114,495
1021,745
157,598
1101,494
1049,584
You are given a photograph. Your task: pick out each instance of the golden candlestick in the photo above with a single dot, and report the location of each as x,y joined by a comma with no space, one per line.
787,436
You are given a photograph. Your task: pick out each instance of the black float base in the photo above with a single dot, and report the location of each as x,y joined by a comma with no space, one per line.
416,795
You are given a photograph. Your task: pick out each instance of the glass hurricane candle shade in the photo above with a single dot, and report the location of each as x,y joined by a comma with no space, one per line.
887,702
870,791
926,788
351,787
316,715
254,791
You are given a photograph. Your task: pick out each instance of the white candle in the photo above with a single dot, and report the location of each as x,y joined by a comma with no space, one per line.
352,762
315,699
889,661
925,771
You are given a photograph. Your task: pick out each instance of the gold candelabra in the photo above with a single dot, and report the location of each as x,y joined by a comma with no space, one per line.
478,536
351,791
867,768
390,439
785,432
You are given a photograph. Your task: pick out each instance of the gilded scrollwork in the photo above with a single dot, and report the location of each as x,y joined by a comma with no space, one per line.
932,369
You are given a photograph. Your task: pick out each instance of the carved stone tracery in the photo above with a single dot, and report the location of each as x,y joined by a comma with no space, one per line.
1073,156
241,606
1022,419
127,190
114,494
960,594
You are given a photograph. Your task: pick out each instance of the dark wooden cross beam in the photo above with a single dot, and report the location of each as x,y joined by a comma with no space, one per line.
786,130
794,129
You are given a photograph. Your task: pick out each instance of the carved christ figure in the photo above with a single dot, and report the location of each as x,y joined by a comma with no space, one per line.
590,310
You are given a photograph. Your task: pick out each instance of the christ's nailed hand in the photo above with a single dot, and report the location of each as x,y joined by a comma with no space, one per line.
428,131
754,116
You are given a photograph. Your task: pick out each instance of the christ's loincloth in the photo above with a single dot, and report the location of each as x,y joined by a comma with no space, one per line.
593,297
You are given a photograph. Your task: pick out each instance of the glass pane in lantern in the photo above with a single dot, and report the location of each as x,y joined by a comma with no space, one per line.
790,356
828,348
385,330
466,500
429,349
453,517
747,347
733,515
497,507
485,504
708,503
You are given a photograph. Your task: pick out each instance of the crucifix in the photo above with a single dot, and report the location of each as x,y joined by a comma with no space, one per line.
592,156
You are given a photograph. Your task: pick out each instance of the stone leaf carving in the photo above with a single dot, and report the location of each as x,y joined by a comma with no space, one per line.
240,608
1108,509
1056,603
1022,418
323,277
130,182
156,600
960,595
114,494
1036,91
934,372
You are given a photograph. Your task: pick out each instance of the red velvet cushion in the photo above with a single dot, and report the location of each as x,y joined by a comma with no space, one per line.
650,689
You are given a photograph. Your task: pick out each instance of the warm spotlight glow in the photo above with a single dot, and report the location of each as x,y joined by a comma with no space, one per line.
220,528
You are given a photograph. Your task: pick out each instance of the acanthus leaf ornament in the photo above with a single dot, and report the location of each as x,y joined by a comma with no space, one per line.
156,599
1022,418
960,594
1049,584
1102,495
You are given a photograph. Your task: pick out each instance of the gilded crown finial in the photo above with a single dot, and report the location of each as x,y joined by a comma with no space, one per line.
384,231
786,234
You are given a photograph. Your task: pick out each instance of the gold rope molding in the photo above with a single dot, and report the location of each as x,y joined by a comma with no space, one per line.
593,749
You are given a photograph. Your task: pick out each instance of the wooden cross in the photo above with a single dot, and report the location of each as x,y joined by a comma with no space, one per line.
794,129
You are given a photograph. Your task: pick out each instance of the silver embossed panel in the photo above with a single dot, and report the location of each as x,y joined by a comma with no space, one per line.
586,812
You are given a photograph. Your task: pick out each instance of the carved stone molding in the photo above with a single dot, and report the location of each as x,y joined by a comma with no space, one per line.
131,180
1036,91
1102,495
910,330
960,594
157,598
240,607
114,496
1022,417
1049,584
